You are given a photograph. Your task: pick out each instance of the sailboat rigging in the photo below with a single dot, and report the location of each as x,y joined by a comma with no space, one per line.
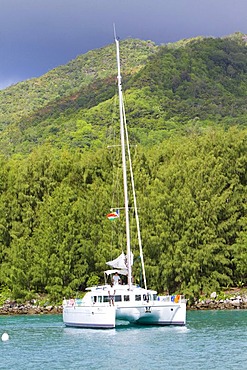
125,144
132,303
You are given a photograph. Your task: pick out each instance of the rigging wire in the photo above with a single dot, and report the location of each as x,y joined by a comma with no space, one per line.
134,198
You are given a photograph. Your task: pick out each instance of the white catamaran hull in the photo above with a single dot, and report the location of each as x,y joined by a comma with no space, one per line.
90,317
153,314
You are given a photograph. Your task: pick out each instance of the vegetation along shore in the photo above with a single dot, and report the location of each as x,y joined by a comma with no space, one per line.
228,300
187,120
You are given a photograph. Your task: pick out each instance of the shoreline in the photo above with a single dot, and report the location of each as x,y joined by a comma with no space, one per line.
29,309
13,308
227,304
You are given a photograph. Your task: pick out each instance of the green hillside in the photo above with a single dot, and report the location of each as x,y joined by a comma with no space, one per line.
175,88
84,82
203,79
68,80
186,108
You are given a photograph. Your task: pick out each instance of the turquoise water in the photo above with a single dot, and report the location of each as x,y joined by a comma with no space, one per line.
210,340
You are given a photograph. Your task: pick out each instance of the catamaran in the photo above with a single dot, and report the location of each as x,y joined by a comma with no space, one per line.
104,306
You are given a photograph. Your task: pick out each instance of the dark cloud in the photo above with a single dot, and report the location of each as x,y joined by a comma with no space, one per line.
38,35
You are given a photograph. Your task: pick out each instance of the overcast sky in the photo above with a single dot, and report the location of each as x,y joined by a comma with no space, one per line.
39,35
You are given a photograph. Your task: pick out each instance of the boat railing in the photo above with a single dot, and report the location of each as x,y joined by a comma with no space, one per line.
79,302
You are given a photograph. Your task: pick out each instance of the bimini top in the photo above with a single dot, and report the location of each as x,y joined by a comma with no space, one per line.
122,271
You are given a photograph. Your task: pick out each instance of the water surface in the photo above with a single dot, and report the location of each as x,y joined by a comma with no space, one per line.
210,340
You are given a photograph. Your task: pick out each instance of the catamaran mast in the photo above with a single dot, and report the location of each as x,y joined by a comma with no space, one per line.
122,134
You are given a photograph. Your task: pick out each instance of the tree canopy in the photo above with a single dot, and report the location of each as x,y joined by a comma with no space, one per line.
186,111
191,192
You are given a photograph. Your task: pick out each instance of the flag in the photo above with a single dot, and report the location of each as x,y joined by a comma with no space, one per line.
113,215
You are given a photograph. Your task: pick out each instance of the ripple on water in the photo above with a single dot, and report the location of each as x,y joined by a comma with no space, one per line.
211,339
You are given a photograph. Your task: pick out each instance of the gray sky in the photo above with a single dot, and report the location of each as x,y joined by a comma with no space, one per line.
39,35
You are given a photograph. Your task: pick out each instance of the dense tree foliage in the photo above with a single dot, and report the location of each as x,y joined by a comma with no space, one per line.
186,107
55,237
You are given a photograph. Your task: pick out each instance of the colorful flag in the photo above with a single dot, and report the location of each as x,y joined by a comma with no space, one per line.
113,215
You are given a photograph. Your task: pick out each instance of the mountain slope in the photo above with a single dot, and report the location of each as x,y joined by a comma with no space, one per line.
179,87
33,95
205,78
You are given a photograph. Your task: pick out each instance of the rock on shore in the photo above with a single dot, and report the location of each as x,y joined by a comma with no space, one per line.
13,308
235,302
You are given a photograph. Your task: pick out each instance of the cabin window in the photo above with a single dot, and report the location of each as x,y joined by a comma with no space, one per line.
126,298
94,299
100,299
105,298
138,297
155,297
118,298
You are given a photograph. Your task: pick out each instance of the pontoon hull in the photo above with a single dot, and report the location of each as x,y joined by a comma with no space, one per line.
90,317
174,314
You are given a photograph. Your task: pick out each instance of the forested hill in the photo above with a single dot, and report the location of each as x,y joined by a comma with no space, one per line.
178,87
203,79
186,108
82,83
